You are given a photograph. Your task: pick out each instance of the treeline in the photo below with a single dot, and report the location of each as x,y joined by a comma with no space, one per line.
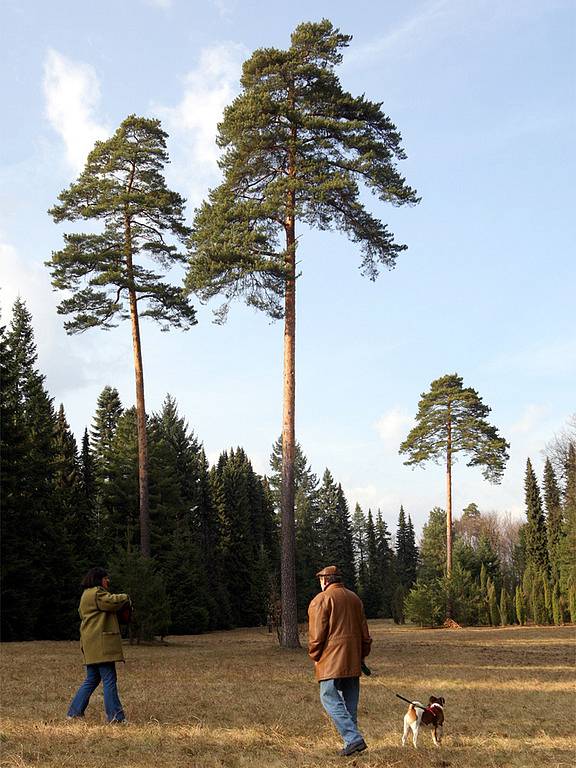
214,530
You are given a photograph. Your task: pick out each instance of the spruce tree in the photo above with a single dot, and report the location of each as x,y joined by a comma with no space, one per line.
412,554
387,565
297,150
108,411
406,551
374,589
235,475
568,542
433,546
308,554
334,529
120,495
36,561
70,499
451,419
554,518
360,547
122,185
536,540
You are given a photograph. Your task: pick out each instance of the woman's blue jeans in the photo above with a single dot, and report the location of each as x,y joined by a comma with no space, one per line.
94,673
339,698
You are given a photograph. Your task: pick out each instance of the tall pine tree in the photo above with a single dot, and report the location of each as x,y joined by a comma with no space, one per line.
451,419
122,185
297,150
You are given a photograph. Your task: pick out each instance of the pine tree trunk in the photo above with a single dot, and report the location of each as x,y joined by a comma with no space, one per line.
140,404
449,498
290,637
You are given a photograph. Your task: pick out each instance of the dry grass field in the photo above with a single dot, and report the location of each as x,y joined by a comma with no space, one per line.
234,699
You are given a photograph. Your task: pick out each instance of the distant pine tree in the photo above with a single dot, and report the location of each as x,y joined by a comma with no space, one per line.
433,546
335,530
120,493
568,543
452,419
386,565
406,551
554,518
536,540
71,503
373,590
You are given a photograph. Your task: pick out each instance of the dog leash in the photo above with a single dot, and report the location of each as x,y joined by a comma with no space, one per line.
411,702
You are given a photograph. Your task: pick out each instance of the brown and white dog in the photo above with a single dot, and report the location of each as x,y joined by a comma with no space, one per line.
418,715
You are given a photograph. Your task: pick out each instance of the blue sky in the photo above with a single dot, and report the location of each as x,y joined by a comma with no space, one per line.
483,94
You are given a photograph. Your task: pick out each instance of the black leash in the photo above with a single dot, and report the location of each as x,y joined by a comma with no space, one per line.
366,671
411,702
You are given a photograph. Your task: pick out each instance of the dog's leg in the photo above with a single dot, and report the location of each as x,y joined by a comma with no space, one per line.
415,728
437,735
406,729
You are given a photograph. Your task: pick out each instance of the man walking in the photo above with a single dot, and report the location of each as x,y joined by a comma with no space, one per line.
338,641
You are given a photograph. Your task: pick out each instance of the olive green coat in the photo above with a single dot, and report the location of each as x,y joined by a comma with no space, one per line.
100,638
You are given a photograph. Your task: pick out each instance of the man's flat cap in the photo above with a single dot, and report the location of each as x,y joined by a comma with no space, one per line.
330,570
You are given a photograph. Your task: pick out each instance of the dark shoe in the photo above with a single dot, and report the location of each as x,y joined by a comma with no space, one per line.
351,749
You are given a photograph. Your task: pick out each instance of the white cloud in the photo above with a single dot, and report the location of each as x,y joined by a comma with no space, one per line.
159,3
393,426
192,123
72,94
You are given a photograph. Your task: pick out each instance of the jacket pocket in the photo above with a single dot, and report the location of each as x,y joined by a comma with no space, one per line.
111,643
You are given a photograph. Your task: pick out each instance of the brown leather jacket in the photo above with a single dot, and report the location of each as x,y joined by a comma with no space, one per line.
338,637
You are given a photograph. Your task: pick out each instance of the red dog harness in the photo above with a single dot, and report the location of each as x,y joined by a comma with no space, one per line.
431,713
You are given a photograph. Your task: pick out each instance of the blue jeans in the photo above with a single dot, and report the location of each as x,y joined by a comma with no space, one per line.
94,673
339,698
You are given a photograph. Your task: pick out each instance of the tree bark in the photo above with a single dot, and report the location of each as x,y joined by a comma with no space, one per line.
290,637
140,402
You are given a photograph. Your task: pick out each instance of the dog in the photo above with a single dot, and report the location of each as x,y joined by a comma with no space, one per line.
418,715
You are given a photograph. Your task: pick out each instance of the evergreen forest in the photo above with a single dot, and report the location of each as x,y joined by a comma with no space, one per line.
215,532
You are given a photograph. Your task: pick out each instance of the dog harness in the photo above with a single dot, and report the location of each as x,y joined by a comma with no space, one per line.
434,710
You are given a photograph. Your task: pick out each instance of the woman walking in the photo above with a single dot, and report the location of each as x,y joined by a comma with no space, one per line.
101,644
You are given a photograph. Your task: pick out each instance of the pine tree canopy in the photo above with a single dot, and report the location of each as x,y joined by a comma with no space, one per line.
297,147
452,419
122,185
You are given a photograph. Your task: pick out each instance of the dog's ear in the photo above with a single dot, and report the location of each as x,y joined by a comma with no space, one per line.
433,700
441,701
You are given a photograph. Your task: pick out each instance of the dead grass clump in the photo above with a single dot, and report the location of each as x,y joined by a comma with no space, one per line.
234,699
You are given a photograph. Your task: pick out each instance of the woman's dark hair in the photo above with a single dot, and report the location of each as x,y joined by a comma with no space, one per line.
94,578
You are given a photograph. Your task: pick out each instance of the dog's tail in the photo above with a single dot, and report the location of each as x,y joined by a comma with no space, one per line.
412,708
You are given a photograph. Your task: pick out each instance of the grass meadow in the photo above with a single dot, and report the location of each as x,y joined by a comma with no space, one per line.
234,699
